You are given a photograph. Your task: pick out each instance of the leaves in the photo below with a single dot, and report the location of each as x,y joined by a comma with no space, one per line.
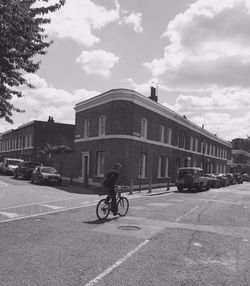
22,36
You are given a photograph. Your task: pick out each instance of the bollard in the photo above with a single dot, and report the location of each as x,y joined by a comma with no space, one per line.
168,185
131,187
150,185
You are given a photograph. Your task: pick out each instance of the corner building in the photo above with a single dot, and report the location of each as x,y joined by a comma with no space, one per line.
148,139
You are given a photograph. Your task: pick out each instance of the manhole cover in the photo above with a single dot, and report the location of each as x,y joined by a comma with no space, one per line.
129,227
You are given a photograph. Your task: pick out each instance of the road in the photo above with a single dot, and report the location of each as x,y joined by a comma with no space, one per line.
168,238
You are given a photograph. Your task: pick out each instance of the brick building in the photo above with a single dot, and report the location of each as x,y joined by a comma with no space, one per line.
148,139
241,155
36,139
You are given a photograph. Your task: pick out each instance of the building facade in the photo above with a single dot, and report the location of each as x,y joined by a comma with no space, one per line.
35,140
241,155
148,139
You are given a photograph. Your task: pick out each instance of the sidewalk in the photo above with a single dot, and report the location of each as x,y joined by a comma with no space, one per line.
80,189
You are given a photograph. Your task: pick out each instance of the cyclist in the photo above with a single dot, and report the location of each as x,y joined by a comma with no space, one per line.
109,183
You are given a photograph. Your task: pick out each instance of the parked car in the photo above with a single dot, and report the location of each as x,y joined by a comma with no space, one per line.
231,178
245,177
25,169
224,181
213,181
238,178
10,164
1,167
191,178
46,175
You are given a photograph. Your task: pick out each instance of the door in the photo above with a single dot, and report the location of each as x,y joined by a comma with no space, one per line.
85,167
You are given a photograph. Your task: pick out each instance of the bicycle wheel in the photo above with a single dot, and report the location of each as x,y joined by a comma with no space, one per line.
102,209
122,206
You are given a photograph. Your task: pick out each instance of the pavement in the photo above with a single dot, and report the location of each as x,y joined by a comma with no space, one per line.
81,189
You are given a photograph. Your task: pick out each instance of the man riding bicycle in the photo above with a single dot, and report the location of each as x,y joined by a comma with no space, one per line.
109,184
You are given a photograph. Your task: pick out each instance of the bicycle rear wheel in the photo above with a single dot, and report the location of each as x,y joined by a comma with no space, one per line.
123,206
102,209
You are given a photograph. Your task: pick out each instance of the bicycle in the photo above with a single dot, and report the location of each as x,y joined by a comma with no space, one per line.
103,208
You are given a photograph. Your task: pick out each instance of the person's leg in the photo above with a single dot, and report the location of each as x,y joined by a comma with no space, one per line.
113,201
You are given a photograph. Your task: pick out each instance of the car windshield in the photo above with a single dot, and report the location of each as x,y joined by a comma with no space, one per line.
13,162
184,172
48,170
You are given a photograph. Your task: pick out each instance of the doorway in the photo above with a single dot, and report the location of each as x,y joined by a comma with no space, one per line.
85,167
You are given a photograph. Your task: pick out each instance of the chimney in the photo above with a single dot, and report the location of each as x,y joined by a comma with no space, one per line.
51,119
153,95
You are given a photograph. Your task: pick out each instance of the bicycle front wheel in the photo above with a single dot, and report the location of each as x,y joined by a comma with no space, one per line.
123,206
102,209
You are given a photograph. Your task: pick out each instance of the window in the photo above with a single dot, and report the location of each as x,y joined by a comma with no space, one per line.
196,145
161,133
142,165
178,139
144,127
169,135
167,167
100,164
102,123
160,167
191,143
86,128
184,142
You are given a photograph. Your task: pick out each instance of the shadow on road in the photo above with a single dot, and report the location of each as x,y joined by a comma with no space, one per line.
99,221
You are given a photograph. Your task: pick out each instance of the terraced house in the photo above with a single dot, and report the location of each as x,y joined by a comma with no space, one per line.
148,139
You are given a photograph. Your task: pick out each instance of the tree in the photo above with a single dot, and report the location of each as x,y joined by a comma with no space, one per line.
22,36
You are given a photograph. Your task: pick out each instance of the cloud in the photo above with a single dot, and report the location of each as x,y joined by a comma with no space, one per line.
228,110
134,20
209,46
79,19
45,101
97,62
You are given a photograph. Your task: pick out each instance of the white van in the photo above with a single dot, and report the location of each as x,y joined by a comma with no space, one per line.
10,164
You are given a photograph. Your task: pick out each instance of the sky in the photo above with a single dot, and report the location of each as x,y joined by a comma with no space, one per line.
197,54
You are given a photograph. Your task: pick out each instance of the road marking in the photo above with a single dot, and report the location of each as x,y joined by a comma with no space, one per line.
188,212
52,207
10,215
116,264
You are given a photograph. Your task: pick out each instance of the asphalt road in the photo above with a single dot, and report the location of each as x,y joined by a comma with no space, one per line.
166,239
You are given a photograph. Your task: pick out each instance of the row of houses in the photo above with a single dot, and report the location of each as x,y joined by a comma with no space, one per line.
148,139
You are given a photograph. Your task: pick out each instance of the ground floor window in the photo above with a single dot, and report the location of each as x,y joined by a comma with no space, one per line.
167,167
100,163
163,167
142,165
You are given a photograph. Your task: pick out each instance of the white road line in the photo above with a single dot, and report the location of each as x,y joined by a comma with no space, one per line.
116,264
39,203
188,212
10,215
45,213
52,207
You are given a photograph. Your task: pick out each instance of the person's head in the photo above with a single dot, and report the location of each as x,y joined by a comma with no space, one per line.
117,166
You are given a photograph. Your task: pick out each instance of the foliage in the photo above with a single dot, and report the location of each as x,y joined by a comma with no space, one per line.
22,36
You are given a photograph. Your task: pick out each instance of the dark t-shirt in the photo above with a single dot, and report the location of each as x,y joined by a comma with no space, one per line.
111,179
